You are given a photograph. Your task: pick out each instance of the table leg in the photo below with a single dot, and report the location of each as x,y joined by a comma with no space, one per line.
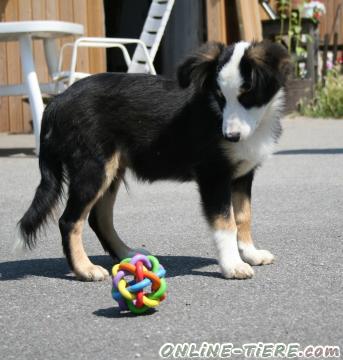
51,55
32,84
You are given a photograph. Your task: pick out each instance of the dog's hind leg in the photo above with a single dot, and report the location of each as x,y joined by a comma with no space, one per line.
101,221
87,185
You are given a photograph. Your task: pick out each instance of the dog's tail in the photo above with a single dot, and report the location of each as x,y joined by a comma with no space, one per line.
48,191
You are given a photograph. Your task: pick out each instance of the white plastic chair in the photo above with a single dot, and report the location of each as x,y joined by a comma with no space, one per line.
145,52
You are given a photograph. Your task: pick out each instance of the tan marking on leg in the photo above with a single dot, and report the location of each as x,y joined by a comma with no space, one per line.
223,223
83,267
111,169
242,211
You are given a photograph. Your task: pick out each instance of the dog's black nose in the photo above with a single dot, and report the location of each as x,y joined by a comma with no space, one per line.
233,136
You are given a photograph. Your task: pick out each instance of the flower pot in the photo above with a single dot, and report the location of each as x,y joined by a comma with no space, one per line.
296,90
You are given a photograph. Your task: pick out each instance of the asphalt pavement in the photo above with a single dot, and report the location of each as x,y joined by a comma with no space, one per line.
45,313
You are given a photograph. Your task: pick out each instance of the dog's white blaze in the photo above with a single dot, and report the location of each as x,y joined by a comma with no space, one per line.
235,117
252,151
229,77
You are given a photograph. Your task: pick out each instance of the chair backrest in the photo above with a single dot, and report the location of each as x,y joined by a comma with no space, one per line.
152,33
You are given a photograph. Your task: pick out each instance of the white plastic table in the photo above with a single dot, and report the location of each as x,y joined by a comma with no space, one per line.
25,32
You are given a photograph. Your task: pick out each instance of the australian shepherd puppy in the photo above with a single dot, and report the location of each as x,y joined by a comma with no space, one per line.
215,125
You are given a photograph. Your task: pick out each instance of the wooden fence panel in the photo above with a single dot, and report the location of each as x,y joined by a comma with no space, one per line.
216,20
15,115
327,21
13,74
96,27
80,16
4,108
249,20
25,13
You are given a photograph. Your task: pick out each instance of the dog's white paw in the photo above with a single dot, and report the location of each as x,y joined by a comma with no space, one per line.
229,259
238,270
92,273
254,256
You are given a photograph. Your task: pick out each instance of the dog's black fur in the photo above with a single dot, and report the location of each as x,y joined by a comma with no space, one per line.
163,129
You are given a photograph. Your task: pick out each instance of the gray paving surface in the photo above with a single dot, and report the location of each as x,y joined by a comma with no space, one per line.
298,198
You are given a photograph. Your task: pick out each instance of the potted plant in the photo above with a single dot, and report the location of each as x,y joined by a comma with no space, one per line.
297,28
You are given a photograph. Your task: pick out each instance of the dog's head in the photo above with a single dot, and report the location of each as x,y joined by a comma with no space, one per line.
247,76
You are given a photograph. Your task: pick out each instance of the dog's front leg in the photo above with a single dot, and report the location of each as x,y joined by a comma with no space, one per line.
241,199
215,192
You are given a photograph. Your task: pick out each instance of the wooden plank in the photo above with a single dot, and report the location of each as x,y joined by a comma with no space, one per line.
216,21
39,13
66,13
52,10
296,90
335,48
80,16
13,72
25,13
96,27
4,115
327,21
249,20
325,58
338,15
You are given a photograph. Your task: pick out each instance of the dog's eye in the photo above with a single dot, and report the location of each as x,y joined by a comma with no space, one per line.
245,88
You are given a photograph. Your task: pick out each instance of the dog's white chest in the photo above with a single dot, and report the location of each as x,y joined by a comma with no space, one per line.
248,154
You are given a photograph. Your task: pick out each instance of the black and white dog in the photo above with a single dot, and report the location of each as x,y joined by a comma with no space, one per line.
215,125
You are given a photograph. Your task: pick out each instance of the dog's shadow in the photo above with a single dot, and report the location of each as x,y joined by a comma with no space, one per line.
57,267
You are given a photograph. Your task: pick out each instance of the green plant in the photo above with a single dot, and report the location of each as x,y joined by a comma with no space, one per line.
295,44
283,8
328,99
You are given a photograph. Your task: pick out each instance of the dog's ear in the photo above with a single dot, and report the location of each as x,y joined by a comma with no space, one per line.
265,67
200,67
271,59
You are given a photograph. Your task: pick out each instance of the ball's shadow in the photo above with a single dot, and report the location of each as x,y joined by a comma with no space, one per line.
114,313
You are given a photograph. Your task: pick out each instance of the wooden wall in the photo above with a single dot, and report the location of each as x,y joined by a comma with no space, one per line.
229,21
249,20
15,116
328,19
216,20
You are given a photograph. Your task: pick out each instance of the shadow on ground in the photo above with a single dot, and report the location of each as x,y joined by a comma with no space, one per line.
333,151
57,267
114,312
17,152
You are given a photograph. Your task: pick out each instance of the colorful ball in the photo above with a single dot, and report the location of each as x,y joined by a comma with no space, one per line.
147,272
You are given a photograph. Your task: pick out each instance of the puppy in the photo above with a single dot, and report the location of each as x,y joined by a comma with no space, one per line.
214,125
